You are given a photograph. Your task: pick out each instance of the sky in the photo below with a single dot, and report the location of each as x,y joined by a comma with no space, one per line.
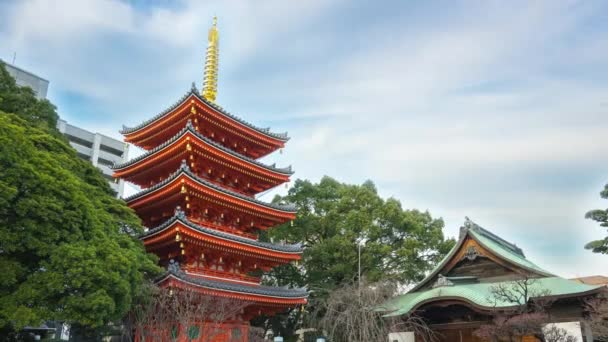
495,110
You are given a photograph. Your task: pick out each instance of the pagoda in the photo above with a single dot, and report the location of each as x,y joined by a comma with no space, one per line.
199,177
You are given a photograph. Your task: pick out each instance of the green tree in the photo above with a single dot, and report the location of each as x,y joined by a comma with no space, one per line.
68,247
22,102
601,216
400,245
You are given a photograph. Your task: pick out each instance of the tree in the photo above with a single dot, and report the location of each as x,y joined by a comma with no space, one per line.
22,102
353,313
400,245
68,248
169,314
601,216
527,315
597,318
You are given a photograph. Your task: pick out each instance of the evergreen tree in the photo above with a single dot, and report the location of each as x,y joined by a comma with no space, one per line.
333,217
68,248
601,216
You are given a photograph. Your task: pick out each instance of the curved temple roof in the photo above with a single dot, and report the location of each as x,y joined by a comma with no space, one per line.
190,128
181,217
469,289
185,169
481,294
487,239
194,92
269,291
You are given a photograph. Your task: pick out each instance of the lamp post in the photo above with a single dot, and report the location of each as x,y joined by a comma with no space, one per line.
360,243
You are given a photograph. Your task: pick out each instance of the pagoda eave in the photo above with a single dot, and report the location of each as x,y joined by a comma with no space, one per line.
215,115
189,144
186,183
256,295
179,228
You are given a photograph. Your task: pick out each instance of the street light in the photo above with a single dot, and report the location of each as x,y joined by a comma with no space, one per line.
360,243
320,339
278,339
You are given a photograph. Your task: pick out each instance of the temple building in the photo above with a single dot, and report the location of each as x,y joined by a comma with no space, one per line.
482,278
199,177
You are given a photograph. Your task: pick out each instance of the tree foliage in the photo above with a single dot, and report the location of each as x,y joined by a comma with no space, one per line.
400,245
601,216
68,247
22,102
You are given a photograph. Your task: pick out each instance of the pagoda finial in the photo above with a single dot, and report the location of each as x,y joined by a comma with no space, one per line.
209,91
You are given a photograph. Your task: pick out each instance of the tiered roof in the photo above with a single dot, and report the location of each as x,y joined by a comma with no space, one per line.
203,240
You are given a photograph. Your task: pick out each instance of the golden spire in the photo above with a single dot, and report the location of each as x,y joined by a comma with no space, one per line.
211,62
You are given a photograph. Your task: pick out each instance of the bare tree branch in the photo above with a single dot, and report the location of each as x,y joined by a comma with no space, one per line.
170,314
350,314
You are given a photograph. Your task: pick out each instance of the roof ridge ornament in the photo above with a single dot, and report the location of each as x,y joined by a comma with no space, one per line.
173,267
470,225
442,281
184,165
179,213
189,124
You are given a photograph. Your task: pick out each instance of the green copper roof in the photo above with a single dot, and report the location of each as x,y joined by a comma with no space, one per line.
501,248
508,254
480,294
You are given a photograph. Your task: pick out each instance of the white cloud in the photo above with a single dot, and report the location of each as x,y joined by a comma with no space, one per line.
496,112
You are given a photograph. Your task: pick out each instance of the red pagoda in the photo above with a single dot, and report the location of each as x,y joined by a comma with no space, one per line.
199,179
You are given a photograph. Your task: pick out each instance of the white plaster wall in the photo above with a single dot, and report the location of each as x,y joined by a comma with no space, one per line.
406,336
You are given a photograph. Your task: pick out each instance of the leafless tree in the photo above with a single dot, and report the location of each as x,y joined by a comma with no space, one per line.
597,308
526,315
556,334
353,313
171,314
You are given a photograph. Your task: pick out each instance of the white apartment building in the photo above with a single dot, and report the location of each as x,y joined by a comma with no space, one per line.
25,78
100,150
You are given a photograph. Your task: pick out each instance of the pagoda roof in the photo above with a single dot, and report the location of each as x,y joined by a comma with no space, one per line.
194,92
174,271
184,169
180,216
478,293
190,129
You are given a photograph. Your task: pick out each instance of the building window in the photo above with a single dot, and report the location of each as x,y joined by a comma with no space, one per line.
105,162
110,150
79,141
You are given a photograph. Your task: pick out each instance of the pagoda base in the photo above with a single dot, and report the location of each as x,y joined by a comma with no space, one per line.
201,332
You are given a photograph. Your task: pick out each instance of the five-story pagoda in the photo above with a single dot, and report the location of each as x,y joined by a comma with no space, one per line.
199,178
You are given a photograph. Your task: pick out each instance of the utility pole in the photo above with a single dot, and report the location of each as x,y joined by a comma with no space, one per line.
359,267
360,244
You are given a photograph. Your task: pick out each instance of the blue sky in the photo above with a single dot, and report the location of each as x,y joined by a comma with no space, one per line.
496,110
